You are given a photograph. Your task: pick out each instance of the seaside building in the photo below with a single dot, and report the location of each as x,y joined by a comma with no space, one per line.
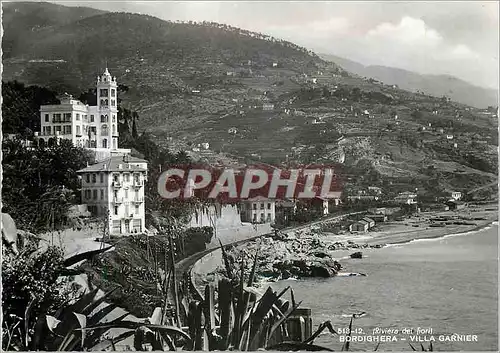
92,127
114,188
258,209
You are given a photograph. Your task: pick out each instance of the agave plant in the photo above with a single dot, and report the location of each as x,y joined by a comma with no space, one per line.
242,318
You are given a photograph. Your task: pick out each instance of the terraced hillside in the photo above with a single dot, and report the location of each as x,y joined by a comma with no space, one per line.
257,98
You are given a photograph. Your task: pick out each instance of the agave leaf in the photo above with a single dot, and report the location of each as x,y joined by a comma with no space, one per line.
101,314
283,319
79,305
412,348
95,335
346,345
84,256
27,314
376,348
226,262
82,321
241,307
254,268
226,309
156,316
431,348
171,330
168,340
52,322
96,302
321,328
422,346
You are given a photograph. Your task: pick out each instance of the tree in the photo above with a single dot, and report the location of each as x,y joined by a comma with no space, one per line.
40,184
21,106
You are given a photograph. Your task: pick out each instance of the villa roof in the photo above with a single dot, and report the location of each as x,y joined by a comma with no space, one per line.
113,164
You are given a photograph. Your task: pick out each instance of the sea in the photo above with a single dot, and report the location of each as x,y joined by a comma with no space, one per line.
439,287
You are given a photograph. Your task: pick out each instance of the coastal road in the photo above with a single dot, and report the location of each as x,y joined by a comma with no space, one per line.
186,264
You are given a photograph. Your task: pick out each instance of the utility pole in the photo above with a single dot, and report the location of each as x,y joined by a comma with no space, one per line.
174,280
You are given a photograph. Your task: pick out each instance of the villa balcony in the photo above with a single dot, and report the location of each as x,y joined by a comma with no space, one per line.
138,200
117,184
138,183
117,200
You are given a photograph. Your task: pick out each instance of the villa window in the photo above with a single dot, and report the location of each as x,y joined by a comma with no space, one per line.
77,116
268,205
114,118
116,210
104,143
67,117
102,194
88,178
103,92
78,132
101,177
137,209
94,194
254,206
112,102
262,206
46,118
104,129
126,177
94,178
91,118
113,92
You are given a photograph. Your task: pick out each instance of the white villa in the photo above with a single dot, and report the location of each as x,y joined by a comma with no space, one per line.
115,187
93,127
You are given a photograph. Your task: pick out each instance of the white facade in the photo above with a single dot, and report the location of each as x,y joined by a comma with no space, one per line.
86,126
115,187
258,210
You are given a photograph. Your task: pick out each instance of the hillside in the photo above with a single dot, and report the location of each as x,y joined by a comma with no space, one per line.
437,85
20,18
255,97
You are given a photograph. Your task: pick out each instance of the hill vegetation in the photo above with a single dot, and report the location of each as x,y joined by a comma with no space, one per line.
253,97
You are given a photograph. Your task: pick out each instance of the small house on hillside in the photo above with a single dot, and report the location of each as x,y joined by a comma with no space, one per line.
359,226
456,205
407,198
267,106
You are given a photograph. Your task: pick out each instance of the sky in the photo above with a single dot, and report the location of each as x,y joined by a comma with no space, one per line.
456,38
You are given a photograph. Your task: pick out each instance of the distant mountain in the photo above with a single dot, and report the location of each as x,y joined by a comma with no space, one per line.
436,85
